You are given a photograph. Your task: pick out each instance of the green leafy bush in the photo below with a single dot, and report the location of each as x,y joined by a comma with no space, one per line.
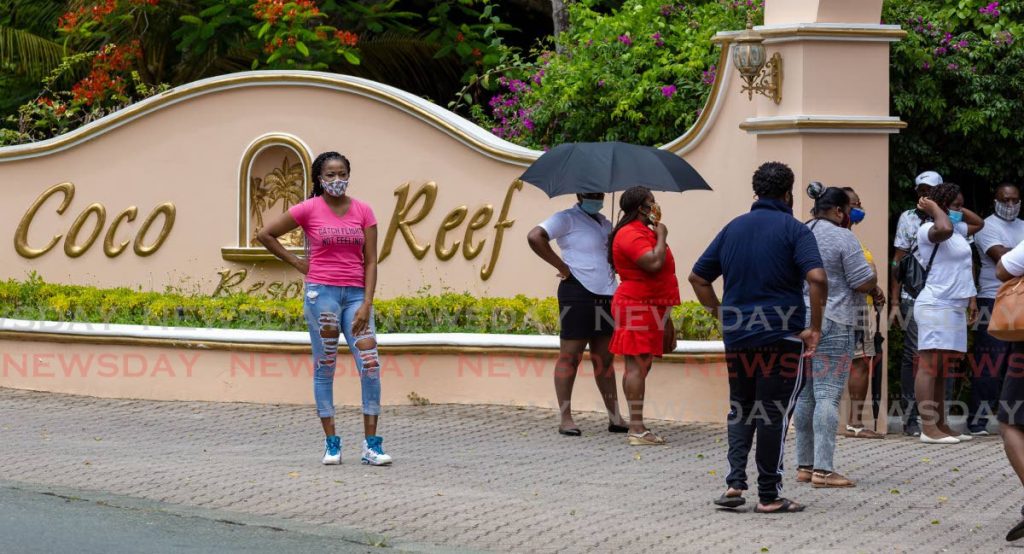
639,74
445,313
957,79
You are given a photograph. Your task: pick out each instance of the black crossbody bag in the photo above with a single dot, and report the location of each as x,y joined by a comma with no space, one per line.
911,275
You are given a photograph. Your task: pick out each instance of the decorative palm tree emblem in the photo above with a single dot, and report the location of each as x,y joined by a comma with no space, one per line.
284,186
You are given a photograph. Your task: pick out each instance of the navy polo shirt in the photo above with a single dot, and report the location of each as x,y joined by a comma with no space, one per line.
765,256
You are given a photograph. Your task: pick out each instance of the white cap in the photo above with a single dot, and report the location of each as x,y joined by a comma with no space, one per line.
930,178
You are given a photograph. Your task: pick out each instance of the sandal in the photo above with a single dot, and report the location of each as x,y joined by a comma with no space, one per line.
647,438
861,433
570,432
730,502
787,507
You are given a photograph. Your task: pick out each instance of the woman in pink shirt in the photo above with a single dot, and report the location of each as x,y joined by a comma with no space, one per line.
341,276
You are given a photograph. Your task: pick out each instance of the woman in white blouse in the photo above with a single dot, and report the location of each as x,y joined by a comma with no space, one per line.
942,308
587,283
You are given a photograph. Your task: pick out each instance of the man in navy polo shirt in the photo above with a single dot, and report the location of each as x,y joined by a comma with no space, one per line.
765,256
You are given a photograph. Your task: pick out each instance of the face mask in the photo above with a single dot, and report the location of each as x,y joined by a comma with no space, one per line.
955,216
856,215
845,222
1007,211
654,214
336,187
591,206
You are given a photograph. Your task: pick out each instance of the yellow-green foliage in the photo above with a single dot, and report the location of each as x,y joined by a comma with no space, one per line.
444,313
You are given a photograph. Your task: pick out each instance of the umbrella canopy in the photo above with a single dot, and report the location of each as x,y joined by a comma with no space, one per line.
583,167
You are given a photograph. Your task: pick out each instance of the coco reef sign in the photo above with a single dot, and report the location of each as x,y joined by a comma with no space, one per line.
462,230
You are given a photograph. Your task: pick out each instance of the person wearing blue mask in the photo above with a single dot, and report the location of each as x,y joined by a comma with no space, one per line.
587,284
944,308
864,354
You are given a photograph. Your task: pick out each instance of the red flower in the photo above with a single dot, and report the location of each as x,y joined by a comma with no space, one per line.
69,21
99,11
347,38
460,37
477,53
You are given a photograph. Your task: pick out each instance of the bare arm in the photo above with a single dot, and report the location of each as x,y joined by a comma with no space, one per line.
996,252
361,321
705,293
268,237
652,261
1001,272
540,243
974,222
894,282
943,227
817,280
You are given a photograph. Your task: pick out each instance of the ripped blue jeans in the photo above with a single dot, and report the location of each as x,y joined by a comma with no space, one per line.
329,312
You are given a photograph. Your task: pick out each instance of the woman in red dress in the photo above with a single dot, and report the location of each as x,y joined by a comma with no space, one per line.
642,304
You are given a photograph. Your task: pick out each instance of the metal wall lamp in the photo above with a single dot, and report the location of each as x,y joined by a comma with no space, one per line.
760,75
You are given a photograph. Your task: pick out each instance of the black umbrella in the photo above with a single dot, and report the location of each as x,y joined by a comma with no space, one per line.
584,167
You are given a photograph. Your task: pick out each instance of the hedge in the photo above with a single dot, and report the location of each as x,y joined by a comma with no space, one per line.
35,299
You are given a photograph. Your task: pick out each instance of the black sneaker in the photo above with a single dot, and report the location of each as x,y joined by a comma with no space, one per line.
912,429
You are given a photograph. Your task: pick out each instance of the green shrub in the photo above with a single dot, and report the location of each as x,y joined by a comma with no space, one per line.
445,313
640,74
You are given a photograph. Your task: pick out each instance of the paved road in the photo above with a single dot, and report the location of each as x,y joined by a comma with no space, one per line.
45,520
501,479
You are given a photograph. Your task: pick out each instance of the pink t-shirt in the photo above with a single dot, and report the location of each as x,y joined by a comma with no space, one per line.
335,243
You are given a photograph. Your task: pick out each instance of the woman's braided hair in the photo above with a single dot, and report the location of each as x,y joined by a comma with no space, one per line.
318,165
944,195
630,203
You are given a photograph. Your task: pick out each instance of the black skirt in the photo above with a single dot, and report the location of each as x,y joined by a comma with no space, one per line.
1011,400
583,314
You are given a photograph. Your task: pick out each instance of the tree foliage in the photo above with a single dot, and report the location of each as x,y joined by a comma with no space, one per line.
958,81
640,73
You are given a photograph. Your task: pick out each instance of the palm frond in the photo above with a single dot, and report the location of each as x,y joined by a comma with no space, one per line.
28,53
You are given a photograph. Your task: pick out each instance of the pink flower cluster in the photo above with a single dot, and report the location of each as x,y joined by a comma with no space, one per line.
991,10
708,77
505,108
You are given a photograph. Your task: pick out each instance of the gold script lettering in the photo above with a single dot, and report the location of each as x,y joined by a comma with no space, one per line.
499,230
400,219
168,210
228,281
71,247
451,221
21,235
479,221
108,242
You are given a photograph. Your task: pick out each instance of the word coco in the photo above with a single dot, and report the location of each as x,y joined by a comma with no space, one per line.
72,247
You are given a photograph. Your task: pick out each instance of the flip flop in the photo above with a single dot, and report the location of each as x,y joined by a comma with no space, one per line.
731,502
1017,532
861,433
788,507
570,432
647,438
612,428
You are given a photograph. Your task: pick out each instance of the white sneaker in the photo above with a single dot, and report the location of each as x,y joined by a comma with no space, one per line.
332,451
373,452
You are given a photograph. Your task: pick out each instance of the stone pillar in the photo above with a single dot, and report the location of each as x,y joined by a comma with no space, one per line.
833,122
